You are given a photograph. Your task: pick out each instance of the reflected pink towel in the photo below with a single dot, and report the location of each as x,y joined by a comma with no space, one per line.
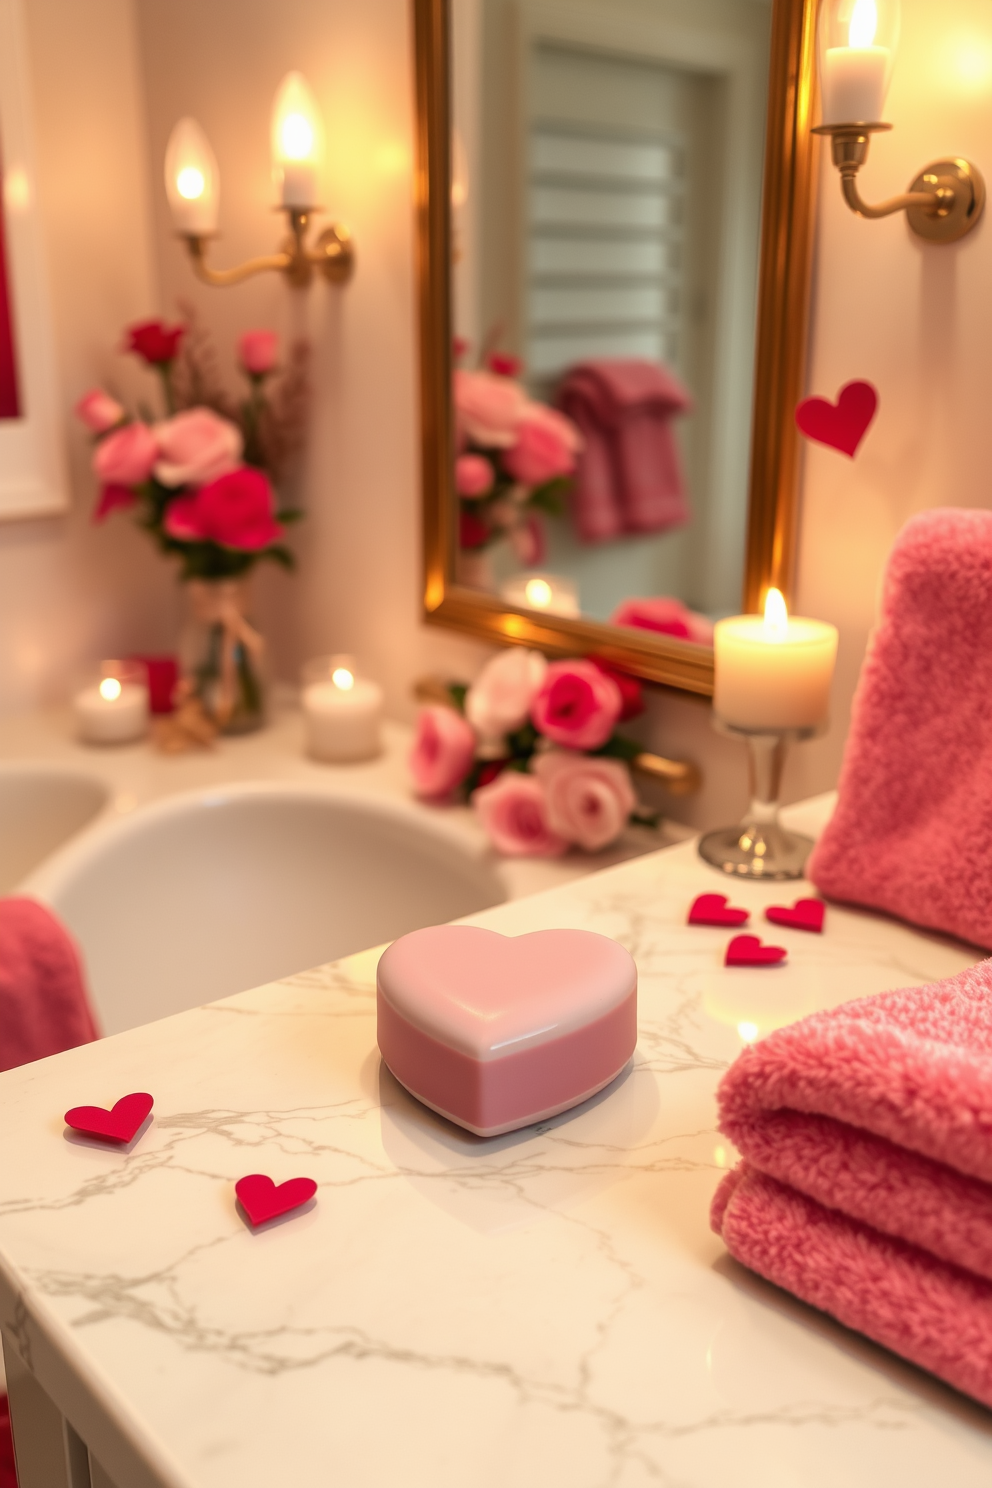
43,1004
629,477
912,832
866,1186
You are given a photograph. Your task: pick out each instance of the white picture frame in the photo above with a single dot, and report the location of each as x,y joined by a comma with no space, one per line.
32,465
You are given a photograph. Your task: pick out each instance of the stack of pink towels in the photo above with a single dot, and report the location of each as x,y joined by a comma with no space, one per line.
866,1181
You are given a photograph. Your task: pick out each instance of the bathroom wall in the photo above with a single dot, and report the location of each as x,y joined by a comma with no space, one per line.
914,319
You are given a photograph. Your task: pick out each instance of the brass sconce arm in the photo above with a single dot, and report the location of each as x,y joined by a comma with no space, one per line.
333,255
942,204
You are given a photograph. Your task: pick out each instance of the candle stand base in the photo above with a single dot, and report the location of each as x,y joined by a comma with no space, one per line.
759,846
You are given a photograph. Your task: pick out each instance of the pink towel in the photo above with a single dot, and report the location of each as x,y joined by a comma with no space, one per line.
43,1004
866,1186
629,476
912,832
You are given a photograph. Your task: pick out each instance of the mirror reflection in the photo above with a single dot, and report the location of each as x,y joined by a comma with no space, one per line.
606,204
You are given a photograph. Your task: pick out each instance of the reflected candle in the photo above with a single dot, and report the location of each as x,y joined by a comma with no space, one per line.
773,672
115,709
552,593
342,711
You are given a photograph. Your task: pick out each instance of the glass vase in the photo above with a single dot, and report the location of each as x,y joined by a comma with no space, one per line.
223,656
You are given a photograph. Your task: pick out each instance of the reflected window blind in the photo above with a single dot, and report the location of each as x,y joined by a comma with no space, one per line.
606,213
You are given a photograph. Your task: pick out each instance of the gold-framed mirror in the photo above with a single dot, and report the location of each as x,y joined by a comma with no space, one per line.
543,32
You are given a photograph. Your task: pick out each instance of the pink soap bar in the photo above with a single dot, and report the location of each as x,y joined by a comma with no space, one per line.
496,1031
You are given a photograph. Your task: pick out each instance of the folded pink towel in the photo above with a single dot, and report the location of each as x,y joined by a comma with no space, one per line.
629,476
872,1125
912,832
43,1004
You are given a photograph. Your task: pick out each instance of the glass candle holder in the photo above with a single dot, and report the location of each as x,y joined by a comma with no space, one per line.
759,846
342,710
113,707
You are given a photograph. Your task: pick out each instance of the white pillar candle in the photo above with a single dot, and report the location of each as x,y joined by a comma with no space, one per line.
112,712
773,672
343,715
854,83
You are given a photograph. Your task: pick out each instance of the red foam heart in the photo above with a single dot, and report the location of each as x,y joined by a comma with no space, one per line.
805,914
116,1125
713,909
747,950
841,425
261,1199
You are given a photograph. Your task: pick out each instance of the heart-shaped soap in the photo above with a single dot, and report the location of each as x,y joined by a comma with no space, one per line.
119,1124
497,1031
747,950
805,914
713,909
261,1199
841,425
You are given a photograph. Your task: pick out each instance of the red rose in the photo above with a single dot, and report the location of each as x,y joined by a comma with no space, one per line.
503,365
631,691
472,531
155,341
235,511
488,771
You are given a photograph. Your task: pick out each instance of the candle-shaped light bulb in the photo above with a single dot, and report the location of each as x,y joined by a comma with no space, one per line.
297,143
776,615
191,180
858,41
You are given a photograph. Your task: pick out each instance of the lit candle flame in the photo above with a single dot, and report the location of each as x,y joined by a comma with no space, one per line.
538,593
110,689
748,1032
776,615
864,24
342,678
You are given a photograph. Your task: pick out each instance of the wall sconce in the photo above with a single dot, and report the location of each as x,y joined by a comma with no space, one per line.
191,183
857,43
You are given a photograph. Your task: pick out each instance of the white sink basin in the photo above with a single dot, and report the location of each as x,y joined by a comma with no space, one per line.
210,893
41,807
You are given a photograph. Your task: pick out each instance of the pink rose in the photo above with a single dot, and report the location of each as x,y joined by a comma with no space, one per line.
98,411
546,445
442,753
236,511
577,705
126,457
589,800
488,408
474,476
514,812
528,541
499,700
667,617
196,447
257,351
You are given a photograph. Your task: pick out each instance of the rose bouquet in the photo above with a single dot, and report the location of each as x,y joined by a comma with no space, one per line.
513,460
533,745
201,480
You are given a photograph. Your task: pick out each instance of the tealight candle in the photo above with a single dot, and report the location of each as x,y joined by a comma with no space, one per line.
342,711
773,672
855,77
551,593
114,710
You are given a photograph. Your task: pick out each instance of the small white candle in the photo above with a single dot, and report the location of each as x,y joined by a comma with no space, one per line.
343,715
112,712
773,672
548,592
855,77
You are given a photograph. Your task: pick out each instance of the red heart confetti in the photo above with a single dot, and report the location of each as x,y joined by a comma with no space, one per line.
119,1124
747,950
713,909
841,425
805,914
261,1199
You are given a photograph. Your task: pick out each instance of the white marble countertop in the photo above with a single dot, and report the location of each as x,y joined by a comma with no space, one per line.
547,1309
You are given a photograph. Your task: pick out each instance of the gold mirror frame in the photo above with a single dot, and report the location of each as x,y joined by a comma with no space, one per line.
783,295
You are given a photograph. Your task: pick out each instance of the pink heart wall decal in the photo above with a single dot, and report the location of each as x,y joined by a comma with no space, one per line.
496,1031
748,950
841,425
261,1199
713,909
116,1125
805,914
